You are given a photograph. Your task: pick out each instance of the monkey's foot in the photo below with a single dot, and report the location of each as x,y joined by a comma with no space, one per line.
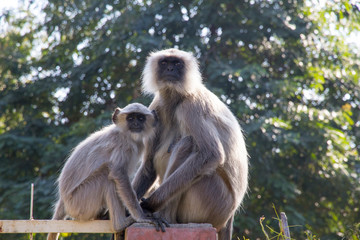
154,217
156,220
160,222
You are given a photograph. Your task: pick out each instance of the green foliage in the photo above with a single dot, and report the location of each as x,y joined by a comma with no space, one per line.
284,68
280,234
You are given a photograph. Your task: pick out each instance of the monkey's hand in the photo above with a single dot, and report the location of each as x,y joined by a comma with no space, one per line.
154,217
146,205
157,221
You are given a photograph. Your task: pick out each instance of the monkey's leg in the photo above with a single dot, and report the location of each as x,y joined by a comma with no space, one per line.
87,200
197,202
181,150
116,208
208,201
226,232
59,214
182,172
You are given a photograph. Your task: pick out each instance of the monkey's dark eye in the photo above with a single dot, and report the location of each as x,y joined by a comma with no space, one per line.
130,118
163,62
141,118
179,64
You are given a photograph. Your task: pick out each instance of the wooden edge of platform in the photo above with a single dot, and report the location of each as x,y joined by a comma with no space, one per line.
74,226
61,226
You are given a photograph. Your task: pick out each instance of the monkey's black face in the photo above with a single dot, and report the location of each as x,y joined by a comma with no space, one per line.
136,122
171,69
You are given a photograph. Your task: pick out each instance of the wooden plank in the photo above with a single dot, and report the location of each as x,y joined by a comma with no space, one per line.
46,226
192,231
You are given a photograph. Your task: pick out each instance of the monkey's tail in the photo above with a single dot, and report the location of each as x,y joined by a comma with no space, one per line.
59,214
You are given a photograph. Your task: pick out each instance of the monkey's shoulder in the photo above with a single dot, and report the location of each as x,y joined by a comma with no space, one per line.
204,104
106,139
104,134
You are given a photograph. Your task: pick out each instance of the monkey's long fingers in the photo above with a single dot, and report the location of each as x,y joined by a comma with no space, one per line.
160,222
158,225
154,221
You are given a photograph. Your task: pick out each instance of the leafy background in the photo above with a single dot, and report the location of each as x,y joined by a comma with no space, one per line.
286,68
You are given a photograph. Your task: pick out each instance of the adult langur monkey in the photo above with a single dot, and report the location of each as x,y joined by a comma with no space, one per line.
198,153
96,176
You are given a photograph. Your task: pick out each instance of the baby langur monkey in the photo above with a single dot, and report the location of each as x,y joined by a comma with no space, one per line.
96,176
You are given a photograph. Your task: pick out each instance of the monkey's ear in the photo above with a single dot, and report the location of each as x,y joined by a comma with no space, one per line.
114,116
155,117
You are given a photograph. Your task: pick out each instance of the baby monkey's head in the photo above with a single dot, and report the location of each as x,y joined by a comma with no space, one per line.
135,118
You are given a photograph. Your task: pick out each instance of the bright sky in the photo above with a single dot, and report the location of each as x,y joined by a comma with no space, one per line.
7,4
13,4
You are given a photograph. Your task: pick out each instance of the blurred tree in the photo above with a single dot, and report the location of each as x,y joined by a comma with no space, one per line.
283,67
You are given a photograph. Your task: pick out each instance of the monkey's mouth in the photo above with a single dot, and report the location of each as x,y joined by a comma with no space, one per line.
136,129
171,77
172,80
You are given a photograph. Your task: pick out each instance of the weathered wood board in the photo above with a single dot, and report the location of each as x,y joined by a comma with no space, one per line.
46,226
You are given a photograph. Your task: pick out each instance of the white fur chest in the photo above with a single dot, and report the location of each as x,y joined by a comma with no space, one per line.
161,158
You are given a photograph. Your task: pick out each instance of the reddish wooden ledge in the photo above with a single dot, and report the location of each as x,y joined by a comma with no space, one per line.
137,231
191,231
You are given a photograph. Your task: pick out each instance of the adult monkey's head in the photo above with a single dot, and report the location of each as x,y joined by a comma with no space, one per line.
171,69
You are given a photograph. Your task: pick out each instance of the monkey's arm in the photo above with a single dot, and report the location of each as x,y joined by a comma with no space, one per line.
146,175
206,155
144,178
125,192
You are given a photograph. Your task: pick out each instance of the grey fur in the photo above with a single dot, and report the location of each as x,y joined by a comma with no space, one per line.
97,174
198,154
